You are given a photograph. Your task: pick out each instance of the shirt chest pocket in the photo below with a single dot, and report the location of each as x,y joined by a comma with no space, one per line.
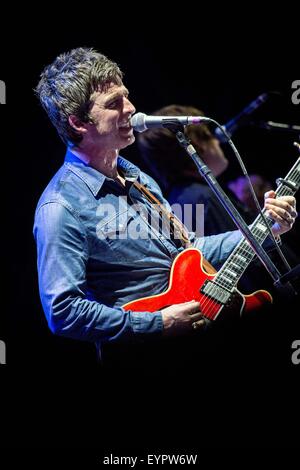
128,235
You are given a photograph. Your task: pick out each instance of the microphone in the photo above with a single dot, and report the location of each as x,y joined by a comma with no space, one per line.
278,126
241,119
140,122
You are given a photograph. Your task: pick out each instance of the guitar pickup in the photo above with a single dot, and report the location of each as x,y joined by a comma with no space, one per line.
216,292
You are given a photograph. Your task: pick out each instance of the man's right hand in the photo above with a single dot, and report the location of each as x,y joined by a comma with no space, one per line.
182,318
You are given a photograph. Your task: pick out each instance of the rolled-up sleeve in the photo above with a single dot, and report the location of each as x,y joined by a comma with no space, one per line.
62,260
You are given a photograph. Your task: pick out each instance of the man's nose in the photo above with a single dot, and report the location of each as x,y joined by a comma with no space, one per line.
128,107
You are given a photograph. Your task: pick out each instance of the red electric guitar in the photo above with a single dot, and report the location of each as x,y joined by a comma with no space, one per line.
192,278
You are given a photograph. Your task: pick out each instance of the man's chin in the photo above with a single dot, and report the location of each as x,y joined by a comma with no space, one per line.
127,141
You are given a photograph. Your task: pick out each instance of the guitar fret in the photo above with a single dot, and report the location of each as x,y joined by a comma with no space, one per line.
246,250
237,267
261,227
287,192
242,258
229,271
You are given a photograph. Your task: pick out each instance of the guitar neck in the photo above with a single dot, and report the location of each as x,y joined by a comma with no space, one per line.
236,264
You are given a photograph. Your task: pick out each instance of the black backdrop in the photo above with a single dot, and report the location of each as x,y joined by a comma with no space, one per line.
54,382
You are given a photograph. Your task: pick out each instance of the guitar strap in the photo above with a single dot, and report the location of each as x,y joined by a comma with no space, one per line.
177,228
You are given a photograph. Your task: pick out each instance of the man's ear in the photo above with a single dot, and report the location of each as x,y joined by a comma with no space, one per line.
77,124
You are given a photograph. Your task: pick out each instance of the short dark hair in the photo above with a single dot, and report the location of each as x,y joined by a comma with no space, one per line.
66,87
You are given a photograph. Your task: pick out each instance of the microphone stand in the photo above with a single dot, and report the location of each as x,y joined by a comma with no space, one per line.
203,169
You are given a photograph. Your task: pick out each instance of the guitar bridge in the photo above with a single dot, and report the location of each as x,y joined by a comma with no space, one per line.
216,292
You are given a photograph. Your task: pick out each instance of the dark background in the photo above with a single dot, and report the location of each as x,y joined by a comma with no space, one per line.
55,383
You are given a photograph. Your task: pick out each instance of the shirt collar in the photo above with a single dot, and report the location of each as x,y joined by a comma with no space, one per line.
92,177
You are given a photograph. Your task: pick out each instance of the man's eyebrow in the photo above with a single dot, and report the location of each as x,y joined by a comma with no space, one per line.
117,94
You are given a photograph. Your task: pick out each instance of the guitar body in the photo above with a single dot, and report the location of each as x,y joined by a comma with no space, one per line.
187,278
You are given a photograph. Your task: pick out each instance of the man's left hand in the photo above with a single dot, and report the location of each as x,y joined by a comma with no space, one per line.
282,210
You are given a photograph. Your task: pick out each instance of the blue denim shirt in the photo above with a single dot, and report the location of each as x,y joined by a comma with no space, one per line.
87,265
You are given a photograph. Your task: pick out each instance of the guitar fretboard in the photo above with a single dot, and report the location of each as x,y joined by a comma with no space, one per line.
232,270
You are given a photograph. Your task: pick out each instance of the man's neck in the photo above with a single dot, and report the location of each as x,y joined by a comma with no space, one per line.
105,163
